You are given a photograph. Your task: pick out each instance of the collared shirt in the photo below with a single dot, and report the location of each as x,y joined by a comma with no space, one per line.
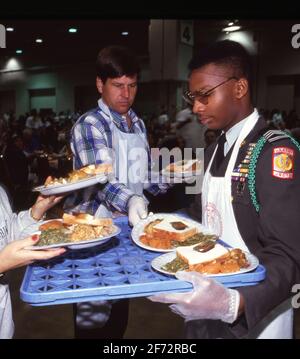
90,134
233,133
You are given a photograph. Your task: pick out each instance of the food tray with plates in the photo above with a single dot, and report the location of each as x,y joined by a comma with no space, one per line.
117,269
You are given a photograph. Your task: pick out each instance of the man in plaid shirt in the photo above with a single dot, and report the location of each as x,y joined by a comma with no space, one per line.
107,134
93,139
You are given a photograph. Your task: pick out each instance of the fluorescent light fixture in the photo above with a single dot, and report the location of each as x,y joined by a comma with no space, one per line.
13,64
19,51
125,33
39,41
231,28
9,29
72,30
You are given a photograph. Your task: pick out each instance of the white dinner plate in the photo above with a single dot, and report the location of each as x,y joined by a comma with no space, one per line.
138,229
158,262
184,174
31,230
72,186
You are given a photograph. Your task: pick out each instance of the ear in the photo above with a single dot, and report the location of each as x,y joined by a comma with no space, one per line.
241,88
99,84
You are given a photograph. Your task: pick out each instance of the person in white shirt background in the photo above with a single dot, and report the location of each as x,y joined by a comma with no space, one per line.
190,128
14,252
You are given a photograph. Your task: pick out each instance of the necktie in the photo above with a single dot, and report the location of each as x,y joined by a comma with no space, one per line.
219,157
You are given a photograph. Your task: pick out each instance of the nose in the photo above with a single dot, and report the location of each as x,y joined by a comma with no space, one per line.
198,107
125,92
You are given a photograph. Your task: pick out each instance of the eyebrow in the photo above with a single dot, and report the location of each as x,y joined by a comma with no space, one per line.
120,83
203,89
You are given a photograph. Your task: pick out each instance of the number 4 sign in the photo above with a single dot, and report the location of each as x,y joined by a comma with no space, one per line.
2,36
187,32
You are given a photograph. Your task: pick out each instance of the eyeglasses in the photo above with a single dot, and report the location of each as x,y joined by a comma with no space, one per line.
191,97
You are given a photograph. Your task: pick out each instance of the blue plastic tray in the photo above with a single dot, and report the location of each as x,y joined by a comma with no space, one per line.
117,269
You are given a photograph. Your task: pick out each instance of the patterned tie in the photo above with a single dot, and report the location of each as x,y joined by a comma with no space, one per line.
219,157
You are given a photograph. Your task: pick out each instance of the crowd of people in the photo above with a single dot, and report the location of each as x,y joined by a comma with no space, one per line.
33,147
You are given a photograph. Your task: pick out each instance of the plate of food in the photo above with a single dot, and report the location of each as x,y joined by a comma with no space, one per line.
164,232
183,168
77,179
214,261
74,231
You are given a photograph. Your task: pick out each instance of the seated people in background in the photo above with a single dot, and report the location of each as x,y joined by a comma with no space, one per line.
210,137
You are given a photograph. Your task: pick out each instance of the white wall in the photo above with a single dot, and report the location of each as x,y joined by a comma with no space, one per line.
64,79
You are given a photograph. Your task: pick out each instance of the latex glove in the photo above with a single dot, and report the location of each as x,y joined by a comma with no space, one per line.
189,178
208,300
16,254
137,209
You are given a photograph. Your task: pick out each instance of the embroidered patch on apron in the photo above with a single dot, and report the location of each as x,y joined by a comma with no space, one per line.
283,162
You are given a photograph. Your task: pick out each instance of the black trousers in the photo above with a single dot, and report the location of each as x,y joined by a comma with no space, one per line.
114,328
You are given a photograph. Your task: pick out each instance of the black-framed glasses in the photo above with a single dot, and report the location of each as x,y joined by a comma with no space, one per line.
191,97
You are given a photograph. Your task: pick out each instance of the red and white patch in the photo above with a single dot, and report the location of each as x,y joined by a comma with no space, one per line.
283,162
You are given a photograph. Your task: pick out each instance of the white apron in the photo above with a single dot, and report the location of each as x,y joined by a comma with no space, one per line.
218,215
131,168
130,160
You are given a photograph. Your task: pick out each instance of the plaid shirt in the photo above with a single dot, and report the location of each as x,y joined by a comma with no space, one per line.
91,133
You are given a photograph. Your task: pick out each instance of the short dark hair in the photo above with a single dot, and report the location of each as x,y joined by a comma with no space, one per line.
116,61
227,53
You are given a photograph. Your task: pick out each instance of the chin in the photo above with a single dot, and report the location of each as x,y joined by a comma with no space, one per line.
123,109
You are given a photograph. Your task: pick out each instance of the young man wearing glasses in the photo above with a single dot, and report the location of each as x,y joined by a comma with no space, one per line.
255,208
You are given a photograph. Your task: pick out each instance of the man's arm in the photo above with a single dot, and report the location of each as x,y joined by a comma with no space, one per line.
89,145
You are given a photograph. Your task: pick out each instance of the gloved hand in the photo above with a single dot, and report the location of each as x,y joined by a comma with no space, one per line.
137,209
189,178
208,299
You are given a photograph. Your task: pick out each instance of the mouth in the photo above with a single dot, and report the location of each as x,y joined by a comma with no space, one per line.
205,119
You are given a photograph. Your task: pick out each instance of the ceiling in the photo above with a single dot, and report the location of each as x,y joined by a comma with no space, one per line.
61,47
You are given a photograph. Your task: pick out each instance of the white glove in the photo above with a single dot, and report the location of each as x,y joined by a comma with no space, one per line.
208,300
137,209
101,178
187,178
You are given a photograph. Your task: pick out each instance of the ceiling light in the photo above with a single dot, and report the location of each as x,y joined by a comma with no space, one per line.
72,30
125,33
231,28
19,51
9,29
39,41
